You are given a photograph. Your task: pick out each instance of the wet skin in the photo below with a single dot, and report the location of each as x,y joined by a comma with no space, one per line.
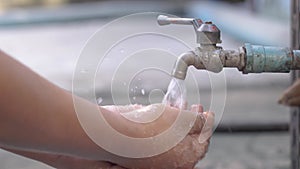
38,120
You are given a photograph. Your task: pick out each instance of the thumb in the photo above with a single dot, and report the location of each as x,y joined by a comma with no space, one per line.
207,129
200,119
198,124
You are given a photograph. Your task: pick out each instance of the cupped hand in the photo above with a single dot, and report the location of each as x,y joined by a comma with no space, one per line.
184,155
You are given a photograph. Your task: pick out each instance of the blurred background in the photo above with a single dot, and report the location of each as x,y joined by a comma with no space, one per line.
48,35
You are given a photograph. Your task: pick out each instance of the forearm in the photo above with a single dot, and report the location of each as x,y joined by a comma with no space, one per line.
49,159
37,115
60,161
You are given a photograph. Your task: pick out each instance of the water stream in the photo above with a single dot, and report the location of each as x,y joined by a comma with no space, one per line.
176,94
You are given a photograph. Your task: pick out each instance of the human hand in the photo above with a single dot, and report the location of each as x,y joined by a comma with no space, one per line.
184,155
291,96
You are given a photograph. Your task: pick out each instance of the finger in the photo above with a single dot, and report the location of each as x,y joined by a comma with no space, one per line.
180,105
205,146
202,148
206,131
283,99
295,101
197,108
292,91
198,124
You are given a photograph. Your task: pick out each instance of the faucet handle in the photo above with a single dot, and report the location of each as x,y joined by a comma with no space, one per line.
207,33
166,20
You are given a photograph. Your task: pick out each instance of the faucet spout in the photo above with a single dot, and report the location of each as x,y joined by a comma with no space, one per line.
183,62
200,59
211,59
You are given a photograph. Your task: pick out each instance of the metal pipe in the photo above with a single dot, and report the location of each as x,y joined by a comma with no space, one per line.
270,59
296,60
232,58
248,59
267,59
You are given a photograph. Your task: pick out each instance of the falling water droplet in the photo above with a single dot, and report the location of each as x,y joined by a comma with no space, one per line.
122,51
124,83
133,97
143,91
99,100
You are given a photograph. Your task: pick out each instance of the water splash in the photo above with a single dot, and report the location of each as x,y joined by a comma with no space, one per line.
99,100
176,94
143,91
